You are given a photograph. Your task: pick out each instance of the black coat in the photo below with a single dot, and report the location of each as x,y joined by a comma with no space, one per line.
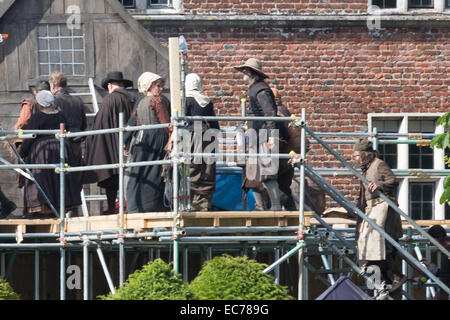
104,148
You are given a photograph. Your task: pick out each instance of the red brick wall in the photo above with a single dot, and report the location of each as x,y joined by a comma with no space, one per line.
275,7
338,75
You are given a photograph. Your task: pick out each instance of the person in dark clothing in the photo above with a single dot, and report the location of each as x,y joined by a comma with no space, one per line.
72,108
7,206
438,232
46,149
145,186
104,148
373,249
202,171
262,104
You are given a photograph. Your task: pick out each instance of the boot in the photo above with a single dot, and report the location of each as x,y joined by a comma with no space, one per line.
259,204
274,194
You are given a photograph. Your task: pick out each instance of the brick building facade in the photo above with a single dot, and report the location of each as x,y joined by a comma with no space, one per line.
353,66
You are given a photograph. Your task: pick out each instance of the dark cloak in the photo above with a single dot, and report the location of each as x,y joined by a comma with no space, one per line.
45,149
104,148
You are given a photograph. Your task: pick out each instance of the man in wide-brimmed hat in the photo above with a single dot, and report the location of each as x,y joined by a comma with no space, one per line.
103,149
262,104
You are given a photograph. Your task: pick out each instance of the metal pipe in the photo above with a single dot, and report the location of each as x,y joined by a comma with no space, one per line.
225,118
285,257
175,192
352,208
62,216
36,274
326,265
382,195
105,270
121,203
302,171
85,269
113,166
420,258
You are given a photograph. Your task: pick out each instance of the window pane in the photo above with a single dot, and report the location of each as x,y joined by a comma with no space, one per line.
420,157
447,212
427,211
447,4
421,200
62,49
127,3
385,4
421,4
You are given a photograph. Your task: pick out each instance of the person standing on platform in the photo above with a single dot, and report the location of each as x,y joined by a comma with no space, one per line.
145,186
104,148
203,174
262,104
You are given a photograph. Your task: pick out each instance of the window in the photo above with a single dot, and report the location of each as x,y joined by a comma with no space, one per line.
447,212
156,3
387,152
421,200
385,4
61,49
420,185
128,3
420,4
447,3
421,157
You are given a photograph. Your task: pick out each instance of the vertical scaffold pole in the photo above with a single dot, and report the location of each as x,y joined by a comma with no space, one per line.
36,274
85,269
121,209
62,214
175,198
302,291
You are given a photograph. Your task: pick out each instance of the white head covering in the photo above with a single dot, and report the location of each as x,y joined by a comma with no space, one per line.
194,88
146,80
46,99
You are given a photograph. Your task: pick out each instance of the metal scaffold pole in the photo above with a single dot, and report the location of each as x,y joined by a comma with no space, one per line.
62,215
121,203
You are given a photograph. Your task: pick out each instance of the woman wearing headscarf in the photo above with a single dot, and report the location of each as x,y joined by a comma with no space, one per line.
45,149
202,171
145,186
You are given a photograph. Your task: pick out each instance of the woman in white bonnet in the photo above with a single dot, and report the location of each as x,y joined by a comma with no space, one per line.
145,187
45,149
203,174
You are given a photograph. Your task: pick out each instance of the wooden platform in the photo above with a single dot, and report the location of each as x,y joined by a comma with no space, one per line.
140,222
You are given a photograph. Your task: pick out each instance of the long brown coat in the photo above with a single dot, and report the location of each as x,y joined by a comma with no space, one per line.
379,172
104,148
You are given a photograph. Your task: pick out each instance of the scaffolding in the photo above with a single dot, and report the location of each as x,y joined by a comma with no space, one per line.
291,234
287,239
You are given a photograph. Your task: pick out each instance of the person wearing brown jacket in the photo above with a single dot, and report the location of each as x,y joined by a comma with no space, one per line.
373,249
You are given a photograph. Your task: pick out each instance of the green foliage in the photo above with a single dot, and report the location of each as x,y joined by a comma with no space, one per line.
236,278
442,141
6,292
155,281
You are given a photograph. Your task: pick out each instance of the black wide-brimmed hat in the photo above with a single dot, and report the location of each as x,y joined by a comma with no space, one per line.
116,76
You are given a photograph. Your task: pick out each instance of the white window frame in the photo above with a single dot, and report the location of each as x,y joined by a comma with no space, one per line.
403,160
402,8
142,8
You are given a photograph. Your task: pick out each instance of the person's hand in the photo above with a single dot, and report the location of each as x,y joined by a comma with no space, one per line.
169,146
425,262
372,187
125,152
271,143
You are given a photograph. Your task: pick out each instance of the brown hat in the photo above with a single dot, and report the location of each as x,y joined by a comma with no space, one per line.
253,64
363,145
437,232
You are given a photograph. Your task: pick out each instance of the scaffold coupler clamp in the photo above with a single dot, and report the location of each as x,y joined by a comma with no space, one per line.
62,241
300,235
295,158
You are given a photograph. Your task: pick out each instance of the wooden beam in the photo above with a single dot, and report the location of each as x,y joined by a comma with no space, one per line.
175,75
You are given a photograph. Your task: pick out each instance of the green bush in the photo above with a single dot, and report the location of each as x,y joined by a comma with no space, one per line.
442,141
155,281
236,278
6,292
